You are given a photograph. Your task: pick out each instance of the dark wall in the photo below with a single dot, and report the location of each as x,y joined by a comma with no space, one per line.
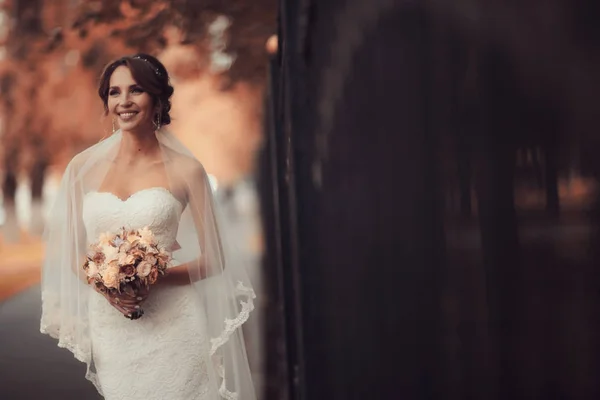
421,254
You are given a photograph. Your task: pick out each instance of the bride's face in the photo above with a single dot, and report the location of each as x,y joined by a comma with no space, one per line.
129,103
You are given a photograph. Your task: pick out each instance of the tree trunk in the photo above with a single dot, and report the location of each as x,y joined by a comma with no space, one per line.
551,178
369,243
498,223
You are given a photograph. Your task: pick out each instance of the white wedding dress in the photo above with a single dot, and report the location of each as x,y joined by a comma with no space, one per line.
164,354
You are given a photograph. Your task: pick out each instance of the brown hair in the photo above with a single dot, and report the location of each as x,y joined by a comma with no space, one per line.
147,72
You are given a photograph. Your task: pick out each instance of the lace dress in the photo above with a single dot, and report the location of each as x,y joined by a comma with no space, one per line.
164,354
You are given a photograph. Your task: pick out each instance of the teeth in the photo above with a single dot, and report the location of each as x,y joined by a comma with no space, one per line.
127,115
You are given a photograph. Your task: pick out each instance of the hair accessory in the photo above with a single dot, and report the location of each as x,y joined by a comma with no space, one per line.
156,70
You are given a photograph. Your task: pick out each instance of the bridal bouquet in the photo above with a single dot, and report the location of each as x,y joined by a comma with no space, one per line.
125,261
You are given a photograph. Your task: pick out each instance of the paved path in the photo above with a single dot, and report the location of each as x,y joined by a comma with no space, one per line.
32,367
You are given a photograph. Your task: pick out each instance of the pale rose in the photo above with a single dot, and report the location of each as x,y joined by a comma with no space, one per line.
111,278
92,269
102,268
110,253
124,247
146,236
105,239
132,237
150,260
143,269
152,250
114,265
126,259
137,253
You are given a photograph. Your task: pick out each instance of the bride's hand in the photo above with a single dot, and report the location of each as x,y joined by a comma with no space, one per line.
126,304
129,306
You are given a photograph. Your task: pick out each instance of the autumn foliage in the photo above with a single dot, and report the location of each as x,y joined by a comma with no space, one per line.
53,52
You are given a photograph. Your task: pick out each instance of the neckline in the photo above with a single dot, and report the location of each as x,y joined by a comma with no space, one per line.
148,189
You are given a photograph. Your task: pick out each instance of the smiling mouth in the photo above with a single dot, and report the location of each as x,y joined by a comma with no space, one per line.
127,115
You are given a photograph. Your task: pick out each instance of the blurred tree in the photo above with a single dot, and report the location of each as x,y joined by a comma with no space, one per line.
55,50
143,25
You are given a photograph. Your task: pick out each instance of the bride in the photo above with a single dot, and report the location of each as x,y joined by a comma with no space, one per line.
182,338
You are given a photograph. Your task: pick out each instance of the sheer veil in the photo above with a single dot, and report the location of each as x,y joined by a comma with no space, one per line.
223,290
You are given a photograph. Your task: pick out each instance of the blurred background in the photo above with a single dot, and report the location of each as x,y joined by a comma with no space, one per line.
51,57
413,185
437,201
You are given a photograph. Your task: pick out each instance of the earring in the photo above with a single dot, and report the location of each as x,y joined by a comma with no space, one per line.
114,125
157,121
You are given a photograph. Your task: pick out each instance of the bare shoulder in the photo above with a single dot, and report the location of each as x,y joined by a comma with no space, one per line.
189,167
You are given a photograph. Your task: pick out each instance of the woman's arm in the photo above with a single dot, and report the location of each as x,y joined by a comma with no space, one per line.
180,275
197,192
